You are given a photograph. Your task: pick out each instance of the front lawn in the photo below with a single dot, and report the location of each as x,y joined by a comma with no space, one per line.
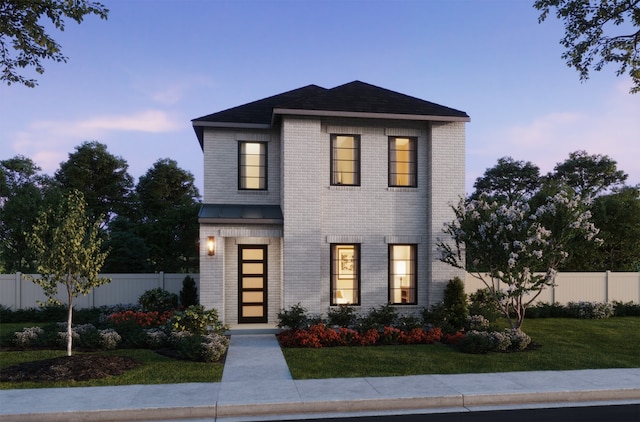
566,344
156,369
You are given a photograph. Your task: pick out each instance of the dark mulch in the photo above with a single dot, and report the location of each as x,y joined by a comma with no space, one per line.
69,368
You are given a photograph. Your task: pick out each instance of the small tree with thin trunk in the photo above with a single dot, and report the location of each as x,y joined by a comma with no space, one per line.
515,249
68,249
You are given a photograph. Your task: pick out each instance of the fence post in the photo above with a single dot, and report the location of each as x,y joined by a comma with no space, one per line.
606,286
17,301
161,276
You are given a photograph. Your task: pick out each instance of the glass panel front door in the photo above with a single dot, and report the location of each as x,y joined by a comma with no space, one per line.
252,280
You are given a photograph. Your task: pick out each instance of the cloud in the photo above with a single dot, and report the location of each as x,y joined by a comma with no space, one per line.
48,142
608,128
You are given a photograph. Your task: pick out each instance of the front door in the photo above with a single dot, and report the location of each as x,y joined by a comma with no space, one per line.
252,280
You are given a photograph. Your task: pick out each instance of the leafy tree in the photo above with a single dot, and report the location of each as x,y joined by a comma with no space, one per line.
509,180
506,243
589,175
101,177
22,195
169,204
128,251
598,33
618,216
21,29
69,252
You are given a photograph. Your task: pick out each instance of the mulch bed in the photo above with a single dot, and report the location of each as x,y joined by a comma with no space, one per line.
69,368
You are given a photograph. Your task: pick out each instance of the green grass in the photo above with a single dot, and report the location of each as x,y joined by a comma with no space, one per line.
156,369
566,344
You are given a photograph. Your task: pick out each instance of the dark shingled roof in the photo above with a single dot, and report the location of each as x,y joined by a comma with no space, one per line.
355,99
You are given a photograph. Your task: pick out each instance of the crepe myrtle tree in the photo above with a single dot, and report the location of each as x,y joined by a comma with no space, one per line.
515,249
69,253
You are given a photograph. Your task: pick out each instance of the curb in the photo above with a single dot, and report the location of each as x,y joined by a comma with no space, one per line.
330,407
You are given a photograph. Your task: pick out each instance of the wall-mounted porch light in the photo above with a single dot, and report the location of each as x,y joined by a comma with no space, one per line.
211,245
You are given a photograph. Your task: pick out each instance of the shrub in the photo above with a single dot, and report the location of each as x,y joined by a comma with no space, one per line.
519,340
109,339
199,348
156,338
455,302
477,342
626,309
547,310
383,316
483,303
342,316
590,310
196,320
409,322
476,323
214,347
27,337
142,319
158,300
189,292
295,318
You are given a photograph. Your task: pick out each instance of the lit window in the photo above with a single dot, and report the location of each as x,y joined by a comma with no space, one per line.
345,160
252,165
345,274
402,162
402,274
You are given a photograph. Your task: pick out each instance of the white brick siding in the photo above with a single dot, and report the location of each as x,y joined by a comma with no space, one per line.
317,214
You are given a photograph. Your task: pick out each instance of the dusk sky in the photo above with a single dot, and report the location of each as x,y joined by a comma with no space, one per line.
135,81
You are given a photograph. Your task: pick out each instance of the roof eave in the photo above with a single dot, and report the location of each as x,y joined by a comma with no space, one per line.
366,115
198,127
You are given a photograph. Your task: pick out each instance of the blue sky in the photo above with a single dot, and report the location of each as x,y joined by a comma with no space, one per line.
135,81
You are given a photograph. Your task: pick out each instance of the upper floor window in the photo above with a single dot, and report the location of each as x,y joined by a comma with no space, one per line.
402,162
345,160
252,165
345,274
402,274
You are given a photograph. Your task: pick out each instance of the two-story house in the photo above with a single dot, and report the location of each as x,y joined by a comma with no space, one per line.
327,197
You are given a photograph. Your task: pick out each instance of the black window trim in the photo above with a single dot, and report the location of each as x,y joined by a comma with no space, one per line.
333,248
358,159
414,140
414,260
266,165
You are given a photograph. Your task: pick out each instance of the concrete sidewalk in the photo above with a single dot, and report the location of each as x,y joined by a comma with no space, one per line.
256,385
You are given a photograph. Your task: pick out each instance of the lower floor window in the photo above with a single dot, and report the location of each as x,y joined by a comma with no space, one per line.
345,274
402,274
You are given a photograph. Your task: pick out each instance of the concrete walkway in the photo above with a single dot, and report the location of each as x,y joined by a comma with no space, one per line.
256,385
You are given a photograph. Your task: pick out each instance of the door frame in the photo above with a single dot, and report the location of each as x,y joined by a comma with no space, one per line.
262,319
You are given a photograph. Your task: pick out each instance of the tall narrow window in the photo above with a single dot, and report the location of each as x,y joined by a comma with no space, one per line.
345,274
402,162
252,165
402,274
345,160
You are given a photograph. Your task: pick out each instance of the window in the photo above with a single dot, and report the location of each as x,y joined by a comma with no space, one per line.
345,160
402,274
402,162
345,274
252,165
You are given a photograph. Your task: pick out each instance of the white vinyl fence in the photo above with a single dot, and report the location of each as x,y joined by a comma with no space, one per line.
18,292
582,287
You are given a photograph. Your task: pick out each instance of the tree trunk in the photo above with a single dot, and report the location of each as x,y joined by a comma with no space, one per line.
69,318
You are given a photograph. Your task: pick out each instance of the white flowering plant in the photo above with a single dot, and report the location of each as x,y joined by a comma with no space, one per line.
515,248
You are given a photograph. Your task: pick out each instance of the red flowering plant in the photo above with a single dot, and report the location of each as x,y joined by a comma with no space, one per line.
453,339
142,319
390,335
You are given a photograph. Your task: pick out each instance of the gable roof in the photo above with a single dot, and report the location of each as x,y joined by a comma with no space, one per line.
354,99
